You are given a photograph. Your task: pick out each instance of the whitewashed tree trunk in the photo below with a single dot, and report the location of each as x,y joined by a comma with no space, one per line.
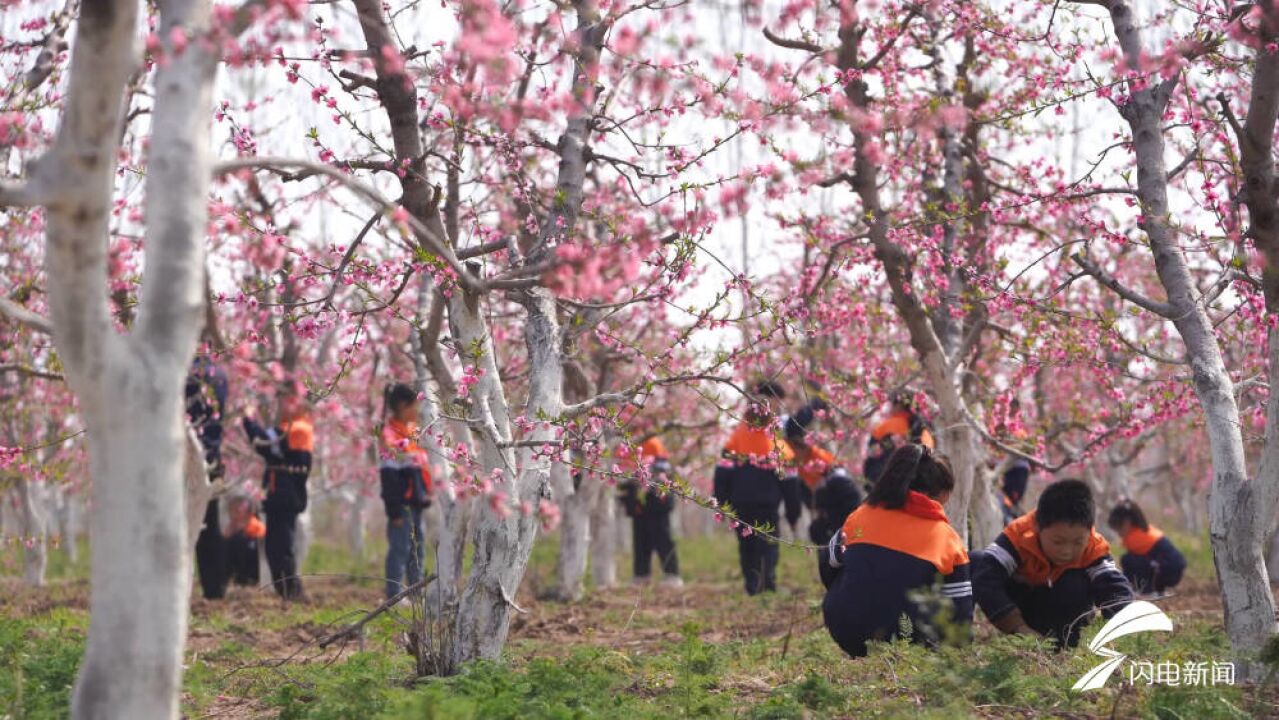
575,533
303,538
33,532
67,515
137,607
1239,511
199,491
987,508
502,543
604,537
356,524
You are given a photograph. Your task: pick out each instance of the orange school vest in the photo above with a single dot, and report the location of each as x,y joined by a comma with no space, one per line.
928,539
1140,542
1035,568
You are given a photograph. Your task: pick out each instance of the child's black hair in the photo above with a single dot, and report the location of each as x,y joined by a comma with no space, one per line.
1066,501
797,425
768,388
911,467
1127,511
397,396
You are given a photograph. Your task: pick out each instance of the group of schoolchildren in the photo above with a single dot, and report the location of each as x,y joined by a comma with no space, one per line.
230,554
891,556
896,556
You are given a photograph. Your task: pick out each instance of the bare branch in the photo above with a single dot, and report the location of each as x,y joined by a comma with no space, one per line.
54,44
15,193
792,44
389,603
434,242
29,371
1159,308
23,316
478,250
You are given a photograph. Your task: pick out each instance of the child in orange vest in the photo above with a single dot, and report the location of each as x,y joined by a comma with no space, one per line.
406,489
649,509
902,425
825,488
1152,563
287,450
891,551
1049,569
243,536
747,479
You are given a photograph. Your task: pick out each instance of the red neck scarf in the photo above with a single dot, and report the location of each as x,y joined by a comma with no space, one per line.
920,505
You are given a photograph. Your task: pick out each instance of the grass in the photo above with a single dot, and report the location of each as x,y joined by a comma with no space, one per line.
704,652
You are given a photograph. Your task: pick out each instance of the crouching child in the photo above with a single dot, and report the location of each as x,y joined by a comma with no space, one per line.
896,556
1152,564
1049,569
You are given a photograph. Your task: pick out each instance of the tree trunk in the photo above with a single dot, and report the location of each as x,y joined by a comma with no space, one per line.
303,538
67,516
33,533
199,491
575,533
604,536
137,534
503,543
986,506
130,388
1239,511
356,528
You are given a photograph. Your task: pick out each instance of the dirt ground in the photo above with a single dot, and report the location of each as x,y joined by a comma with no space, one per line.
634,620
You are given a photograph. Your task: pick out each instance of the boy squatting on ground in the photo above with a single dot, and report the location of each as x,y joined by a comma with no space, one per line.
1049,569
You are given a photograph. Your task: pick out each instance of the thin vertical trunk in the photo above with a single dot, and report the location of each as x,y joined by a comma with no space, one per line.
33,533
604,537
357,523
575,532
67,515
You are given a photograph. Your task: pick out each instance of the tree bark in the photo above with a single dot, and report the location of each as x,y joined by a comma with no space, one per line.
138,607
942,371
575,532
33,533
1238,509
604,529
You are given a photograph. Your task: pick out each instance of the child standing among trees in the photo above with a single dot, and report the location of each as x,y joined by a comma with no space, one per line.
287,449
902,425
823,484
406,489
890,551
1152,563
1049,569
650,512
206,395
747,479
243,534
